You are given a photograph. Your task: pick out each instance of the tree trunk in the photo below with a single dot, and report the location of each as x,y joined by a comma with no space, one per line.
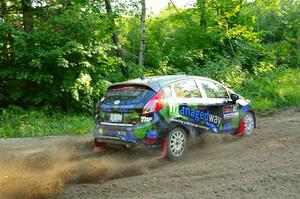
8,36
202,5
174,6
3,10
115,37
5,42
143,33
27,15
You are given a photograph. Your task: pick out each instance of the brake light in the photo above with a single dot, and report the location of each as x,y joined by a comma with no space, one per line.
154,104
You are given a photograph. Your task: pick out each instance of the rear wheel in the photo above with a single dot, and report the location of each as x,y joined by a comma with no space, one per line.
176,143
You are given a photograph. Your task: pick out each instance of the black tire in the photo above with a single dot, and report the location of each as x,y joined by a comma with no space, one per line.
176,144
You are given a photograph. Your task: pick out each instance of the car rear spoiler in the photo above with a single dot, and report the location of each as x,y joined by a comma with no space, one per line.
152,85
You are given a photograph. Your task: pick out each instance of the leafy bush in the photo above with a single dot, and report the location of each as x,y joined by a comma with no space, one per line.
273,89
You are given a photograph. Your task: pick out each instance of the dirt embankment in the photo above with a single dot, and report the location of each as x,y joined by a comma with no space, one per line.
264,165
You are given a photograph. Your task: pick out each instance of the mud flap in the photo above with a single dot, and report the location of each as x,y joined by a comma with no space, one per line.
163,152
99,149
241,129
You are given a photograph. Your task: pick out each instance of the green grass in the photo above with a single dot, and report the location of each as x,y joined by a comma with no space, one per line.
15,122
273,90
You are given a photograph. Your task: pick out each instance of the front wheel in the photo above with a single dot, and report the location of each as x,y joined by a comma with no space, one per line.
249,121
176,143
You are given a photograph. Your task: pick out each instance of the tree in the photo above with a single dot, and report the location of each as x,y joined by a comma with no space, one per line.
115,38
27,15
143,33
202,6
6,36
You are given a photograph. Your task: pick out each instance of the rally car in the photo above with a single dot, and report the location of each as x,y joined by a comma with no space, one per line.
167,111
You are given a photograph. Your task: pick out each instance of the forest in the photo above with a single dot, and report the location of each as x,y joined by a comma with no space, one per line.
57,57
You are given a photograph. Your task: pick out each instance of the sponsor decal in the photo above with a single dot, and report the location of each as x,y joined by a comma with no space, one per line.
117,102
188,123
200,115
231,115
212,126
146,119
230,111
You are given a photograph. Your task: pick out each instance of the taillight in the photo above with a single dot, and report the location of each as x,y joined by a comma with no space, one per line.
154,104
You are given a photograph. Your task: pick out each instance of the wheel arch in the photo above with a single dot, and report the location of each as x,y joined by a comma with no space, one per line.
190,131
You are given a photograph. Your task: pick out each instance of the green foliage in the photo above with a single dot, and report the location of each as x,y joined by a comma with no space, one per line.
64,61
15,122
60,54
273,89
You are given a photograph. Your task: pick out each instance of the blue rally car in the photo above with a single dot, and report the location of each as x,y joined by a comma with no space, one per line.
166,111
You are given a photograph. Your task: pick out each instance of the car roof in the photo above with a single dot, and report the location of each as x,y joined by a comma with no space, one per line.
158,82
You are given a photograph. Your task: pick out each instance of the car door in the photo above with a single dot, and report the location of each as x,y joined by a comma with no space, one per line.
223,113
189,105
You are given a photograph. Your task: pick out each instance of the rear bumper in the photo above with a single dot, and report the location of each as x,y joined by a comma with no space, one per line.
120,144
107,135
115,143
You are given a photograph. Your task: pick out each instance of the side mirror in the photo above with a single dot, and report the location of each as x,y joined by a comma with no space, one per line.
234,97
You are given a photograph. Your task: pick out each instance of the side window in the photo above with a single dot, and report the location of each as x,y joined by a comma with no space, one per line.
186,89
214,90
167,92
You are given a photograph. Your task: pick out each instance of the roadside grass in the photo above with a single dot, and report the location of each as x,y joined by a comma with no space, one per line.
15,122
268,92
273,90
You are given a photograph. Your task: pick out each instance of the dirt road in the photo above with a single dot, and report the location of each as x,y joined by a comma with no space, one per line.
264,165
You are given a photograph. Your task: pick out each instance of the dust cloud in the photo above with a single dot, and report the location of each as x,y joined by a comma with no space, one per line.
42,169
42,173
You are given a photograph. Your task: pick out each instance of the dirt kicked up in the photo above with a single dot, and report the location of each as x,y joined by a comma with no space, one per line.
39,168
264,165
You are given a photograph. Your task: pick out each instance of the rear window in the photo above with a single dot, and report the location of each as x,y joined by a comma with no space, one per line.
128,94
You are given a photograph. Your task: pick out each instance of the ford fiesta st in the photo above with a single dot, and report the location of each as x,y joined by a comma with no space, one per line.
166,111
